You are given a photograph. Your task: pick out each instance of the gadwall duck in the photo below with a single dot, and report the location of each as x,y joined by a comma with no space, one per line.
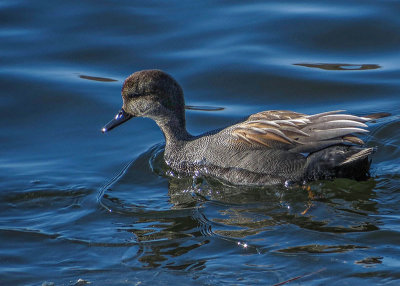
269,147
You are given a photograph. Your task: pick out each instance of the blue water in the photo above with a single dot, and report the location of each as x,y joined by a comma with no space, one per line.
78,206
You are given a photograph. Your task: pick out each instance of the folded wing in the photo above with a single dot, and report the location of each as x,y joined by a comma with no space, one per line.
299,132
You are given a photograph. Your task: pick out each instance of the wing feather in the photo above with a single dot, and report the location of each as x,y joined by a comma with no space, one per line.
318,135
299,132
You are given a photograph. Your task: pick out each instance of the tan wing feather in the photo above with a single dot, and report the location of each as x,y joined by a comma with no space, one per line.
266,139
353,139
300,132
276,115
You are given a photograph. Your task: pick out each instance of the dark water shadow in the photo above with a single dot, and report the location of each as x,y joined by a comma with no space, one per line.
204,108
340,67
96,78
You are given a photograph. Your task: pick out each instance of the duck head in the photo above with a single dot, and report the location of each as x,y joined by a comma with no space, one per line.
153,94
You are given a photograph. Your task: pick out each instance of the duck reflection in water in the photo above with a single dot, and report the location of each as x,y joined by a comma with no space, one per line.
201,210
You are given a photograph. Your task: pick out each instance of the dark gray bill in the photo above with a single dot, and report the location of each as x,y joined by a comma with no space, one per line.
120,118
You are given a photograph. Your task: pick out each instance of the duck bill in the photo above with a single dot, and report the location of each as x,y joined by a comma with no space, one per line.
120,118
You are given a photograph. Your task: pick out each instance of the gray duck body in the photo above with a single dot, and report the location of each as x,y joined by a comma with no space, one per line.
216,155
270,147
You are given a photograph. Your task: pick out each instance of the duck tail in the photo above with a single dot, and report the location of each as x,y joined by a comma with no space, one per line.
339,161
360,155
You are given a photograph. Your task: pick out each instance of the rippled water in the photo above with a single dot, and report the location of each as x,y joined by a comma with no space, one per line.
81,207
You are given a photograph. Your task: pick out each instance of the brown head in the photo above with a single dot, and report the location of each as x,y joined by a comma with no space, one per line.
153,94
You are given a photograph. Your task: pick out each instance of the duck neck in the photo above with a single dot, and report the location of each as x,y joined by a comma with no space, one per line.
174,130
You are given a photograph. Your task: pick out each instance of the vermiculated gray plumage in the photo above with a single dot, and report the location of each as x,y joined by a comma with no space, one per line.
269,147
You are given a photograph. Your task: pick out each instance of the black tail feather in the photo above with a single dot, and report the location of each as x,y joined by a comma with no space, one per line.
339,161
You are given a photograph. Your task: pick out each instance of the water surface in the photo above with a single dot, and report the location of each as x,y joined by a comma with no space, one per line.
77,204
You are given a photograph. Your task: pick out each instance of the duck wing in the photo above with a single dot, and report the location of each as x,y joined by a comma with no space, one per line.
298,132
